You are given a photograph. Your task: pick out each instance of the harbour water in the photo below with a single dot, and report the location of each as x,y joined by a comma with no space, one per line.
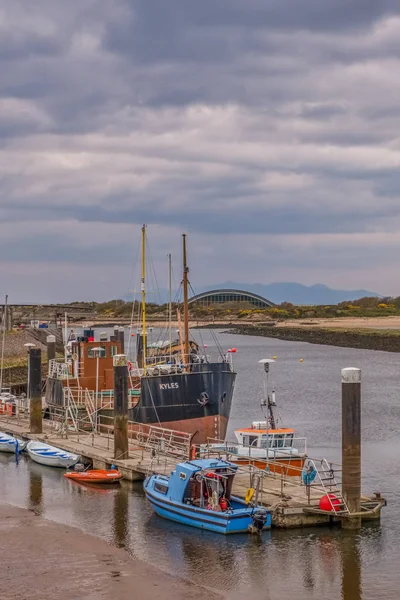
302,564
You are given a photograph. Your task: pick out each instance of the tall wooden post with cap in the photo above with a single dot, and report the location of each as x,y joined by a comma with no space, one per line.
121,449
351,445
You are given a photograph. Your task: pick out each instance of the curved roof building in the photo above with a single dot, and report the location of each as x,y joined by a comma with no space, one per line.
223,296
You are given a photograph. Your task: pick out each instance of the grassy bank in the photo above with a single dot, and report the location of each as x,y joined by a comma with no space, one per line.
387,340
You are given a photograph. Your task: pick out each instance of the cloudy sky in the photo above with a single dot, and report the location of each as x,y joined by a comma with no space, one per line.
267,130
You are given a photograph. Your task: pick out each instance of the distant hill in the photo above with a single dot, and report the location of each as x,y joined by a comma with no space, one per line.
296,293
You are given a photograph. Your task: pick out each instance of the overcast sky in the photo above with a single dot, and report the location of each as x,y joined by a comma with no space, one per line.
268,130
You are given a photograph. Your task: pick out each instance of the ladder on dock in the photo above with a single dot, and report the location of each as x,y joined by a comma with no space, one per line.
325,478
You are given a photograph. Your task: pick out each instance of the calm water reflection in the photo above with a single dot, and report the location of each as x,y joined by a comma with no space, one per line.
302,564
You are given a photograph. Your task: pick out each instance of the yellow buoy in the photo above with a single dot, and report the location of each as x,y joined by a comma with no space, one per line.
274,357
301,360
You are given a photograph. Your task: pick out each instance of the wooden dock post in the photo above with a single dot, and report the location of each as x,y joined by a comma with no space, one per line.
35,389
351,445
51,347
121,338
121,450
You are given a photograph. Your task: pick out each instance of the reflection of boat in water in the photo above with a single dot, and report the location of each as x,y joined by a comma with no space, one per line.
198,493
50,456
265,444
104,476
9,443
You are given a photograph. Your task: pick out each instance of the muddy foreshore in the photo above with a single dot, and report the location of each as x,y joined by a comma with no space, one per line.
366,339
48,560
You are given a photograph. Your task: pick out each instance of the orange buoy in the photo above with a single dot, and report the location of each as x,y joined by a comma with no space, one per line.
223,503
193,452
96,476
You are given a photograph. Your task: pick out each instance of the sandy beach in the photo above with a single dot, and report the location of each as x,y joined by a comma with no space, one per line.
49,561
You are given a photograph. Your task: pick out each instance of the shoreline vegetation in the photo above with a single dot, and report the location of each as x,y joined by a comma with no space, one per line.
367,323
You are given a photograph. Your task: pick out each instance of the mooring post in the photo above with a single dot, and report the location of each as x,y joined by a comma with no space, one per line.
51,347
121,450
351,445
121,337
35,389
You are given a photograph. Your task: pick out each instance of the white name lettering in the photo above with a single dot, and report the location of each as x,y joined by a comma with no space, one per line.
168,386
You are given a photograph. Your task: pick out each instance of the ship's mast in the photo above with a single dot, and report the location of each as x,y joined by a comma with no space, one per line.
268,401
143,289
170,306
185,301
3,339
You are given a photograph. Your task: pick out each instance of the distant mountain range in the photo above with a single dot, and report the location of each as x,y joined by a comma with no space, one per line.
296,293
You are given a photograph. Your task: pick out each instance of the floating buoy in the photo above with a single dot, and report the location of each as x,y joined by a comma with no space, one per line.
233,350
330,503
274,357
301,360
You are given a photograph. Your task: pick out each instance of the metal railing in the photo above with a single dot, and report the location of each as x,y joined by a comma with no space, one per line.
326,480
274,452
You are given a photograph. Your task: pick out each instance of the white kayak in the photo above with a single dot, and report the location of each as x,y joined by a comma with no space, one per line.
50,456
9,443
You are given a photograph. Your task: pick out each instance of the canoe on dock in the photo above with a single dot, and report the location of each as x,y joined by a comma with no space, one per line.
50,456
96,476
9,443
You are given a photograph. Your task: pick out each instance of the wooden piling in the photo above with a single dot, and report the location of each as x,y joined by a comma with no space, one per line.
51,347
35,389
121,407
351,445
121,337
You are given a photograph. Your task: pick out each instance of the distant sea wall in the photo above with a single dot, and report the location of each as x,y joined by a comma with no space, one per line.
367,339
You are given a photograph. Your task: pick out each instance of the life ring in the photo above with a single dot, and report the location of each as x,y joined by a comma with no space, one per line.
249,495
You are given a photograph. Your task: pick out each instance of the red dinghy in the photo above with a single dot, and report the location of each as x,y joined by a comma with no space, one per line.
97,476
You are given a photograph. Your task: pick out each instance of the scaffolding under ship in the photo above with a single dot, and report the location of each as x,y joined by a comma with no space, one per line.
172,385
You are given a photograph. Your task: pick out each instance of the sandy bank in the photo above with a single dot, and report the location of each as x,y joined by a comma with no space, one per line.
48,560
389,322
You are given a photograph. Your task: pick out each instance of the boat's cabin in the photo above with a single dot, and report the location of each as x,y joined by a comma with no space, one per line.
258,436
203,483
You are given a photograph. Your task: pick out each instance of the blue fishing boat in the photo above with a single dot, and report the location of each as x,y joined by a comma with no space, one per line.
198,493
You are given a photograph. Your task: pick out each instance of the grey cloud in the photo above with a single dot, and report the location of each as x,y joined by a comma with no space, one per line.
224,118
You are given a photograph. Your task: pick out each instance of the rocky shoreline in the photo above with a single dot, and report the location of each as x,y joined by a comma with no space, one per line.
386,340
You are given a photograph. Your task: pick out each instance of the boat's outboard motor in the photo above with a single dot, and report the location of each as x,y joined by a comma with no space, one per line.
259,520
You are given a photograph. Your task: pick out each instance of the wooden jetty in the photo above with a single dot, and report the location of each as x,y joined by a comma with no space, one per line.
139,450
157,450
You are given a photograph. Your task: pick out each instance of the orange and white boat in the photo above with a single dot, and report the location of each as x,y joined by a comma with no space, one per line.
96,476
265,444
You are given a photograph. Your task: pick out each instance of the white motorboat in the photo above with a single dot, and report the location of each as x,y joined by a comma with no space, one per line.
50,456
9,443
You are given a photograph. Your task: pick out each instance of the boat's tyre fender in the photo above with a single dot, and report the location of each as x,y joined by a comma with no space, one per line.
308,476
249,495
